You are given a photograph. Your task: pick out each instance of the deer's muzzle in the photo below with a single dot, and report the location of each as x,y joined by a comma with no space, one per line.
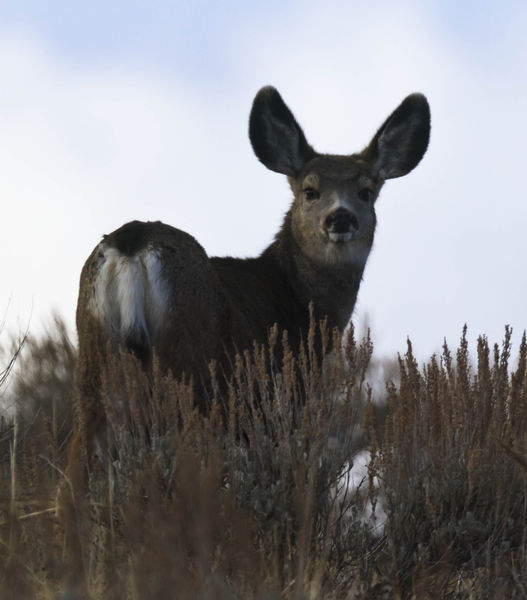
341,225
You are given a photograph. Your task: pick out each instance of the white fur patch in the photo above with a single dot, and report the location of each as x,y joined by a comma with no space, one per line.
352,252
130,296
341,237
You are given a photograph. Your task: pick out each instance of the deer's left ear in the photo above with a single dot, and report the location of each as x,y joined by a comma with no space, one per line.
402,140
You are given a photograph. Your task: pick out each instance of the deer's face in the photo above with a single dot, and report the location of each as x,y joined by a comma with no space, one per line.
333,214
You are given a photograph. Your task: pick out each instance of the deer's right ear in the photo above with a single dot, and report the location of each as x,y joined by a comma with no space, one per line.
277,139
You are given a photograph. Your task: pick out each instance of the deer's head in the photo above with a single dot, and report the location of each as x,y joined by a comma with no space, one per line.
333,213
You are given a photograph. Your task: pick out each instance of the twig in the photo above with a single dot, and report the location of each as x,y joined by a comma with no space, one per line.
33,514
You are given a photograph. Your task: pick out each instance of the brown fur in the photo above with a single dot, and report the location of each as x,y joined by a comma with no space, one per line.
215,307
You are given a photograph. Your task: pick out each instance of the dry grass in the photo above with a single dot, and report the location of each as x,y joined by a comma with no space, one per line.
452,462
258,504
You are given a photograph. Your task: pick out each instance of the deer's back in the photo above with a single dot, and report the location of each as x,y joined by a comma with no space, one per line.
151,287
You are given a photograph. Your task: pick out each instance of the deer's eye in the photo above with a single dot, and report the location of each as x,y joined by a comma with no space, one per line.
365,194
311,194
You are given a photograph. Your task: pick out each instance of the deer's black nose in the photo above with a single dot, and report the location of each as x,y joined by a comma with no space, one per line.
341,221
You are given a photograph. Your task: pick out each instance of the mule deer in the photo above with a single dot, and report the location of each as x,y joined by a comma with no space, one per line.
148,287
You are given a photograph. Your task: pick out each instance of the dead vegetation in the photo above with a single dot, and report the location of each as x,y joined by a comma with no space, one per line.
261,506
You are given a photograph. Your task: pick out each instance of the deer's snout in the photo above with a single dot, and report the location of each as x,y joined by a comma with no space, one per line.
341,225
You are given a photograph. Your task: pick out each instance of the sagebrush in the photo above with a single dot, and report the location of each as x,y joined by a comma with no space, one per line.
253,499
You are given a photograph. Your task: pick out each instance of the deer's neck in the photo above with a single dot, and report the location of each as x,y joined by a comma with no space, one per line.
332,288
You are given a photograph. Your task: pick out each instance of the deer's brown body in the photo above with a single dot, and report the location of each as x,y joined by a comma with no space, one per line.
149,287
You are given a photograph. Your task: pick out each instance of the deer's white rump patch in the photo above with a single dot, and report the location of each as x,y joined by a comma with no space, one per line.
130,295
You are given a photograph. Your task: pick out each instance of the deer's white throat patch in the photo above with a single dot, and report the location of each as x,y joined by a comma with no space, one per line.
344,251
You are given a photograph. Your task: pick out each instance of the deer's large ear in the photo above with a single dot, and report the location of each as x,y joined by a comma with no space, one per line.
277,139
402,140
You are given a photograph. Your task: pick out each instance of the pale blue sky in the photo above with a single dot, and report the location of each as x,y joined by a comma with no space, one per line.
193,40
111,111
199,40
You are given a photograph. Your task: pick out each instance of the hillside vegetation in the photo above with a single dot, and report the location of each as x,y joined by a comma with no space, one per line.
265,503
